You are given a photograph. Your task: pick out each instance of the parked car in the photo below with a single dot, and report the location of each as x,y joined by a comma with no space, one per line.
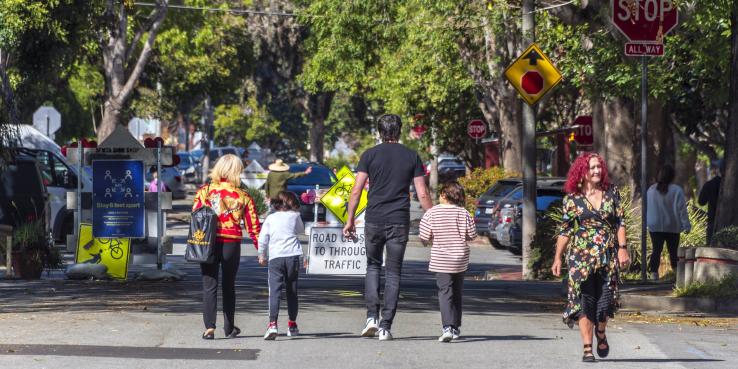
171,178
509,227
23,195
321,176
189,168
450,170
487,201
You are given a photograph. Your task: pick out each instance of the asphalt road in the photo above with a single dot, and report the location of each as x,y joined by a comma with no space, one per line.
506,324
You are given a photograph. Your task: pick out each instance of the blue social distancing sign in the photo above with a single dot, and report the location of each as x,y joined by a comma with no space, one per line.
118,199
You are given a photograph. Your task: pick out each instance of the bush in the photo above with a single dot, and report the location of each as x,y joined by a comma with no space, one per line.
339,161
543,245
259,199
479,181
727,237
725,288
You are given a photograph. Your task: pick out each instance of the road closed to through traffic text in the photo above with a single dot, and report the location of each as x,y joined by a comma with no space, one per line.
332,253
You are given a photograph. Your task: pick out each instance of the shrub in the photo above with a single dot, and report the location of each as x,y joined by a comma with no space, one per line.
479,181
543,245
259,199
727,287
727,237
339,161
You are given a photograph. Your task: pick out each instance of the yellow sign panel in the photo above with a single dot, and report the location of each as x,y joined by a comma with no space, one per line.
112,252
533,74
337,197
343,172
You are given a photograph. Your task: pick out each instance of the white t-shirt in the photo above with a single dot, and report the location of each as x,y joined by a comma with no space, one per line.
278,237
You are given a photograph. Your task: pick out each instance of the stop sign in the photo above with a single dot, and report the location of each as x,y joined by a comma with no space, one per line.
645,21
531,82
476,129
584,135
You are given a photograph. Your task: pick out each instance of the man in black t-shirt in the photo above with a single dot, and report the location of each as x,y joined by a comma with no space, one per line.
390,168
709,195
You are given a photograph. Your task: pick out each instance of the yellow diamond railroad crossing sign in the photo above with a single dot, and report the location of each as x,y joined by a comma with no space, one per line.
337,197
533,74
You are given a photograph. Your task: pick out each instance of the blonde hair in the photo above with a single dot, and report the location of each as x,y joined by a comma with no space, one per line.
228,166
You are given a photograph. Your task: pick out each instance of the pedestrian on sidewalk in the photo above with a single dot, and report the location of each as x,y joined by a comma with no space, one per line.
281,247
447,226
391,168
709,196
279,174
154,184
233,206
593,228
667,217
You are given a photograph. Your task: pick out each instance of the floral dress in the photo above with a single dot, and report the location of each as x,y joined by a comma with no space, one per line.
592,246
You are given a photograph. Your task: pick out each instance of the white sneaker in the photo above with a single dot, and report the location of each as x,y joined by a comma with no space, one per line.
456,333
385,335
370,329
271,333
447,336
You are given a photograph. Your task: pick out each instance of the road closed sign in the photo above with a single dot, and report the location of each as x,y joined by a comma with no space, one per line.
332,253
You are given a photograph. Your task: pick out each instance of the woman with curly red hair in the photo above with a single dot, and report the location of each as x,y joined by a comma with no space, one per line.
592,220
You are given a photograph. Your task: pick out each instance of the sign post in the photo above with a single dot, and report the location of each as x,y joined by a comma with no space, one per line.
644,23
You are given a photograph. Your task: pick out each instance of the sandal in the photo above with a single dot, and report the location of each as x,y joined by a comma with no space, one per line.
234,332
209,334
588,357
602,352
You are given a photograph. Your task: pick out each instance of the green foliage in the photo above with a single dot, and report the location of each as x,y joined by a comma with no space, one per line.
727,237
725,288
543,245
30,239
237,125
479,181
339,161
259,199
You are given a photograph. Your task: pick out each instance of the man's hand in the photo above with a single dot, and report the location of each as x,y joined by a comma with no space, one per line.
623,257
262,261
305,263
556,267
349,230
308,170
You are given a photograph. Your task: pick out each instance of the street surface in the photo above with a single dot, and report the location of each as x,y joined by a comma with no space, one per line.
507,324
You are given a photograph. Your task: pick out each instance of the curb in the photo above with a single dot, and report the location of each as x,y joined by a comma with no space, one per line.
678,304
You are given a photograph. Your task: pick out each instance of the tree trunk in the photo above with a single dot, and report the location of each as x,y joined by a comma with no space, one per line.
616,138
7,90
510,113
111,117
726,214
317,134
317,107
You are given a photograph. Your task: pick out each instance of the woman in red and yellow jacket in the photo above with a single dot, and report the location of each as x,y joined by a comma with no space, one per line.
233,206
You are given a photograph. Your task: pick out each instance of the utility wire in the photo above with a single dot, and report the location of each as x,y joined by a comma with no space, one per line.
232,11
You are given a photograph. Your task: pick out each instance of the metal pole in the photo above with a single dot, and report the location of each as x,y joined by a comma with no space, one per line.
47,126
529,152
644,161
159,188
78,219
9,256
315,206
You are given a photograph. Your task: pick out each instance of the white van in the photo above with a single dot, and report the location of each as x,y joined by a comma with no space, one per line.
59,177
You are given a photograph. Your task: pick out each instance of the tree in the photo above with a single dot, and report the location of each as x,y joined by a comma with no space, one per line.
122,71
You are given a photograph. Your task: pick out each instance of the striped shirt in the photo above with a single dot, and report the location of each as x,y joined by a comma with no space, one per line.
448,227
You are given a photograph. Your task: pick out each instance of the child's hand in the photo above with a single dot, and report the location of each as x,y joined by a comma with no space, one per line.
262,261
305,263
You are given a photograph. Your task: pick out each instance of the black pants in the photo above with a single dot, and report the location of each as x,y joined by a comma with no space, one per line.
450,291
283,274
672,243
597,297
228,257
393,237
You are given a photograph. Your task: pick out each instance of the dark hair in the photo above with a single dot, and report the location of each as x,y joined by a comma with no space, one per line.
285,201
453,192
389,126
152,170
664,178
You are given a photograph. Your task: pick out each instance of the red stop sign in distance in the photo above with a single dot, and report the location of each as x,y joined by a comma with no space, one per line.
476,129
584,135
645,21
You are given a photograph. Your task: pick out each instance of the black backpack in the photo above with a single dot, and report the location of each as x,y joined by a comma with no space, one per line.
201,239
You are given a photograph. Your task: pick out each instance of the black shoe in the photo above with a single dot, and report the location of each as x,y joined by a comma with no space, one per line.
600,342
208,336
588,356
234,332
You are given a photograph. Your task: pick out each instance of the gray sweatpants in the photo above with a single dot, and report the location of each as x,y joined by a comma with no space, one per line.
283,274
450,291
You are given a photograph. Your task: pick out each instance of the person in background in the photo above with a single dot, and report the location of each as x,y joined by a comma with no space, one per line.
195,138
593,229
667,217
279,174
447,227
281,247
391,167
709,196
233,207
154,184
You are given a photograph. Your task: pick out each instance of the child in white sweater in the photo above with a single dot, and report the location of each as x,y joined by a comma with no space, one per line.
280,246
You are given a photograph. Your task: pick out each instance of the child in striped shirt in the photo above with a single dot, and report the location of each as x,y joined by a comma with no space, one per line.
447,226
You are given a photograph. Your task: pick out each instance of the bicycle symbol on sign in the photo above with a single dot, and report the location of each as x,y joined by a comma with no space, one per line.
344,191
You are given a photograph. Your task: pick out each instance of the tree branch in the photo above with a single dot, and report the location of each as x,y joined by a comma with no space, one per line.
704,148
137,37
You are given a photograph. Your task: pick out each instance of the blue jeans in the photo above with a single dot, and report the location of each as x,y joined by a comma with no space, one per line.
393,237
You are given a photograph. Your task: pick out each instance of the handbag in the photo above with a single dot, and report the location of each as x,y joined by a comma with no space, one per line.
201,239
